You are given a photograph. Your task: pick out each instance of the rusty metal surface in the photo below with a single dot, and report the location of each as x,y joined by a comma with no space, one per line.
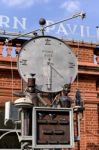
52,128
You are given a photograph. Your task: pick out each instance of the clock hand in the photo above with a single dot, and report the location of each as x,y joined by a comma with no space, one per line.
49,85
56,71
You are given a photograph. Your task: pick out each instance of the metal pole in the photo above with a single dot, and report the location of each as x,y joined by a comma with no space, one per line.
78,130
25,122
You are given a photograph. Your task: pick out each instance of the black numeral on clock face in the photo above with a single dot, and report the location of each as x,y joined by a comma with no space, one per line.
23,62
71,65
47,42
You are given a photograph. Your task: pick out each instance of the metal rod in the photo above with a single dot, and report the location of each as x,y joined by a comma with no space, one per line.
11,131
78,118
82,15
42,100
56,71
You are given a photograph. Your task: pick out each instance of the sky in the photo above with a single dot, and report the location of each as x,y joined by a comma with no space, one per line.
23,16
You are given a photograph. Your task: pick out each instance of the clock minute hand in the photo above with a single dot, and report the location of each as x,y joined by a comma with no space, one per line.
56,71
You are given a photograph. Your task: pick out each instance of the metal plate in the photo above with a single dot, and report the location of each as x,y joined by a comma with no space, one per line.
52,128
51,60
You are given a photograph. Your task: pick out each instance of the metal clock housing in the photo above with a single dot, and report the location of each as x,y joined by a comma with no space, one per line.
51,60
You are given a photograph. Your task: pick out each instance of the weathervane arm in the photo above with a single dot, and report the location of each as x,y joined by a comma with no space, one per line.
81,14
21,35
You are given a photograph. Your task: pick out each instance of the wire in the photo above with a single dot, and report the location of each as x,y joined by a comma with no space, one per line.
12,76
21,85
12,79
77,66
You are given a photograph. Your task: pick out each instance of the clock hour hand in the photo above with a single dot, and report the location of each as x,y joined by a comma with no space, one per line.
49,85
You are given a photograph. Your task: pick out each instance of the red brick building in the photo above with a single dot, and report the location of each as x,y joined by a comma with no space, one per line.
87,81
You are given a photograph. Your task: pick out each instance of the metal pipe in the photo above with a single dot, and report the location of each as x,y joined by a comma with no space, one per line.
42,100
78,130
25,122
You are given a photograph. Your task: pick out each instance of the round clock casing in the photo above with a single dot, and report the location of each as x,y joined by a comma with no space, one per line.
51,60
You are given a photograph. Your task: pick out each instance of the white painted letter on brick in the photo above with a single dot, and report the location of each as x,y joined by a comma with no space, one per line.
4,21
18,23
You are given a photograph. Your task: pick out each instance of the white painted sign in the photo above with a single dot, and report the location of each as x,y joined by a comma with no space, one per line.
62,29
14,23
67,30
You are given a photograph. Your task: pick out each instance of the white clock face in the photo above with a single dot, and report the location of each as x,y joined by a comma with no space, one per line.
52,62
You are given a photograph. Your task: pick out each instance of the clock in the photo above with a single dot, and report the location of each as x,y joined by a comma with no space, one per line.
51,60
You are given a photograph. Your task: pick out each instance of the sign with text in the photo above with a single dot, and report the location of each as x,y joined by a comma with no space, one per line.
63,29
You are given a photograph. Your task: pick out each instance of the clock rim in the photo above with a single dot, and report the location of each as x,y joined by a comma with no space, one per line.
38,37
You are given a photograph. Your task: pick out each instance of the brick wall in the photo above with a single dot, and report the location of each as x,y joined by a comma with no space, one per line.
87,81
